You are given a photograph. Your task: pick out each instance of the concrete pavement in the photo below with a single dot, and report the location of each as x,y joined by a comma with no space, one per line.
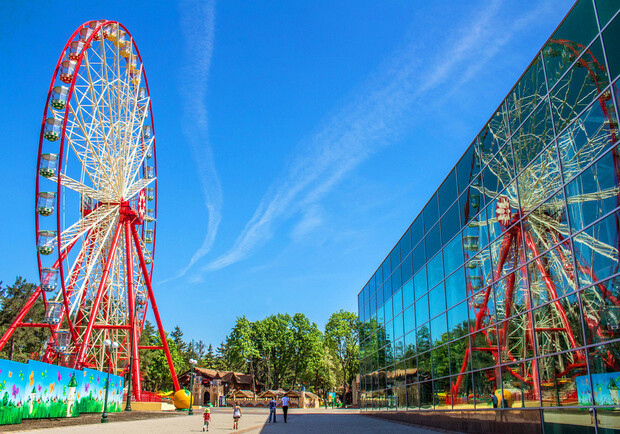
252,421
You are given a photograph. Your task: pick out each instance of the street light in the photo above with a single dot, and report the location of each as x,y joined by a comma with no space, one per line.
128,406
108,343
192,362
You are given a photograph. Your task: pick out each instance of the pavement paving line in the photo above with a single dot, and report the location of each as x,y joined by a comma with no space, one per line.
249,429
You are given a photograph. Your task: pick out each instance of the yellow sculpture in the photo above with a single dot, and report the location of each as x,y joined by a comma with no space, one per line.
181,399
498,393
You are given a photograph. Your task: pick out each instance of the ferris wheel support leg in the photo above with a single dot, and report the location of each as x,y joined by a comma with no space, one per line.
9,332
162,334
95,308
133,341
552,292
505,248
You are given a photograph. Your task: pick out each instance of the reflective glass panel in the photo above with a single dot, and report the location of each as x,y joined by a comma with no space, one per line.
557,378
601,306
527,93
439,331
408,295
457,321
398,326
467,168
431,213
421,310
450,223
458,349
485,384
447,192
433,241
611,37
535,133
588,137
435,270
558,326
418,257
437,300
594,193
455,288
597,249
441,361
519,387
483,348
579,86
441,394
605,375
576,32
423,337
409,319
494,134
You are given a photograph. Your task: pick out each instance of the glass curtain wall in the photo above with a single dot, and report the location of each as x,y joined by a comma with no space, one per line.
504,292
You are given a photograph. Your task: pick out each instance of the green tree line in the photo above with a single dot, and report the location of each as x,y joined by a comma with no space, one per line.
280,350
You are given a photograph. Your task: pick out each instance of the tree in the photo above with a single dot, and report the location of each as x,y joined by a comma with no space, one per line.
306,345
177,337
24,341
341,336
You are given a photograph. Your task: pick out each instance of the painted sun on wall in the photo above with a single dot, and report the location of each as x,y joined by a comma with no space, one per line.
39,390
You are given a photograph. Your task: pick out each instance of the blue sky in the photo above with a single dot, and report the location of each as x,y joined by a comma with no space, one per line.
296,141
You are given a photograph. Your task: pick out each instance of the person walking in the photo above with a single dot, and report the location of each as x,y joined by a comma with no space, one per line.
285,403
273,404
236,415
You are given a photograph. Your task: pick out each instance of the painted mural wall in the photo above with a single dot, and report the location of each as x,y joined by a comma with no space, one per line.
36,390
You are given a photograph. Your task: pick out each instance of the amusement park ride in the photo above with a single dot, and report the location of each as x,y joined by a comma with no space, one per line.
96,205
529,230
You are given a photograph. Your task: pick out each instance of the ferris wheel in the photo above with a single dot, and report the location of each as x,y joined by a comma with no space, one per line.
518,282
96,204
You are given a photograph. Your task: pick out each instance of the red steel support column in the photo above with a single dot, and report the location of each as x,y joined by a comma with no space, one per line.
504,249
147,280
133,342
552,291
104,278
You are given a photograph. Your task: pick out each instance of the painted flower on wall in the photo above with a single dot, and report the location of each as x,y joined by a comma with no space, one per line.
15,391
32,378
21,375
2,385
52,385
44,374
86,387
10,374
97,378
40,387
59,376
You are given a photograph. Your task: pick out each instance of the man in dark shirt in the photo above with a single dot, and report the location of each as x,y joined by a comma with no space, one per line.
272,409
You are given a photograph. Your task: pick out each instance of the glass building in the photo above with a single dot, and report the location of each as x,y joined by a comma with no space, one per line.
504,293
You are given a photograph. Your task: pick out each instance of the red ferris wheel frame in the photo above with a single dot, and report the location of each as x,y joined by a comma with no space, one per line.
129,219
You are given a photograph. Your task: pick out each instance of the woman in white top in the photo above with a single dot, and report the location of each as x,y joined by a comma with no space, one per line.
236,415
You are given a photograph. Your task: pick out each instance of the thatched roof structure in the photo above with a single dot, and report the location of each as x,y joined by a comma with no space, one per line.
241,394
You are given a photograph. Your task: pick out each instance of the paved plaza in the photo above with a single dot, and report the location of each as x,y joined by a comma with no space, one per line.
252,421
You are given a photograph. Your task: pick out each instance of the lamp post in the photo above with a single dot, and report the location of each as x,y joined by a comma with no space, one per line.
114,345
192,362
128,406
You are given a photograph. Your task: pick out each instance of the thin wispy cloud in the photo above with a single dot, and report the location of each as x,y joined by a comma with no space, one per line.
374,119
197,27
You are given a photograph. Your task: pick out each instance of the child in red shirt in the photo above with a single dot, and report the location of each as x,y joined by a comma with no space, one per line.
207,418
